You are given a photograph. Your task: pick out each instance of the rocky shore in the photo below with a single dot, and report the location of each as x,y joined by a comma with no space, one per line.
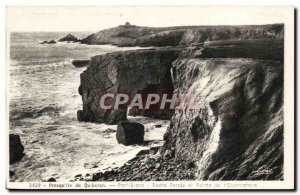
236,131
145,168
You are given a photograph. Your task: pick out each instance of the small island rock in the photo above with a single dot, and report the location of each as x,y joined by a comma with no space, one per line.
68,38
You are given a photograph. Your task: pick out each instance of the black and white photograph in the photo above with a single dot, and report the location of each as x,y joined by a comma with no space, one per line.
129,97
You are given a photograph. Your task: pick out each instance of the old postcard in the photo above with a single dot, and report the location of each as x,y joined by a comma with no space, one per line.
138,98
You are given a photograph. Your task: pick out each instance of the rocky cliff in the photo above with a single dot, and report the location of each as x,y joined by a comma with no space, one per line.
131,35
236,75
237,131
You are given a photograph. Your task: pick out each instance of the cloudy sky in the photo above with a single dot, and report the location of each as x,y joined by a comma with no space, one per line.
98,18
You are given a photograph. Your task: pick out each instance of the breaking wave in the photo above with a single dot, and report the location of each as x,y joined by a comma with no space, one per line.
34,113
30,69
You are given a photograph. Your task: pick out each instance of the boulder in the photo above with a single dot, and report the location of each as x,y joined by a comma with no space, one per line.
80,63
16,148
143,152
11,173
51,180
129,133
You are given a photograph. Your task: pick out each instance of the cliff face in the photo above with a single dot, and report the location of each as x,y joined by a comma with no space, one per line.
182,35
129,72
237,131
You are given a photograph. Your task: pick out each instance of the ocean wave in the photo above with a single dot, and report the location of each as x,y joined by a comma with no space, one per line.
29,69
33,112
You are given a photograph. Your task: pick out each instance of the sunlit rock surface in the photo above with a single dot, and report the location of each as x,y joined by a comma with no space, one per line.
237,132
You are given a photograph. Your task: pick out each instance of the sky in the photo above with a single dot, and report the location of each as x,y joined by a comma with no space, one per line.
53,18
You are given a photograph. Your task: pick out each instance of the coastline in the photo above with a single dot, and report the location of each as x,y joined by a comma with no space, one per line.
185,142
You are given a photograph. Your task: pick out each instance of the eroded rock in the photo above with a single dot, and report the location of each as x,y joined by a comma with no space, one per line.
129,72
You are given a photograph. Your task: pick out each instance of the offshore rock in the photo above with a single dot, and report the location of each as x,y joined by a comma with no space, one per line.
129,133
68,38
48,42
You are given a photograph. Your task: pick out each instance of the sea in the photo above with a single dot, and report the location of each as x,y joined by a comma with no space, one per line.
43,99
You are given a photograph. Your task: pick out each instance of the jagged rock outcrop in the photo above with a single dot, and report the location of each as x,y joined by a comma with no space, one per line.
69,38
237,131
129,133
131,35
16,148
129,72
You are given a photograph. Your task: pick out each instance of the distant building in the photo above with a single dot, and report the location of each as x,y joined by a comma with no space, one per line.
127,24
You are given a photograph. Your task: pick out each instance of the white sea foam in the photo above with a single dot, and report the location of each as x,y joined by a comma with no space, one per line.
44,101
